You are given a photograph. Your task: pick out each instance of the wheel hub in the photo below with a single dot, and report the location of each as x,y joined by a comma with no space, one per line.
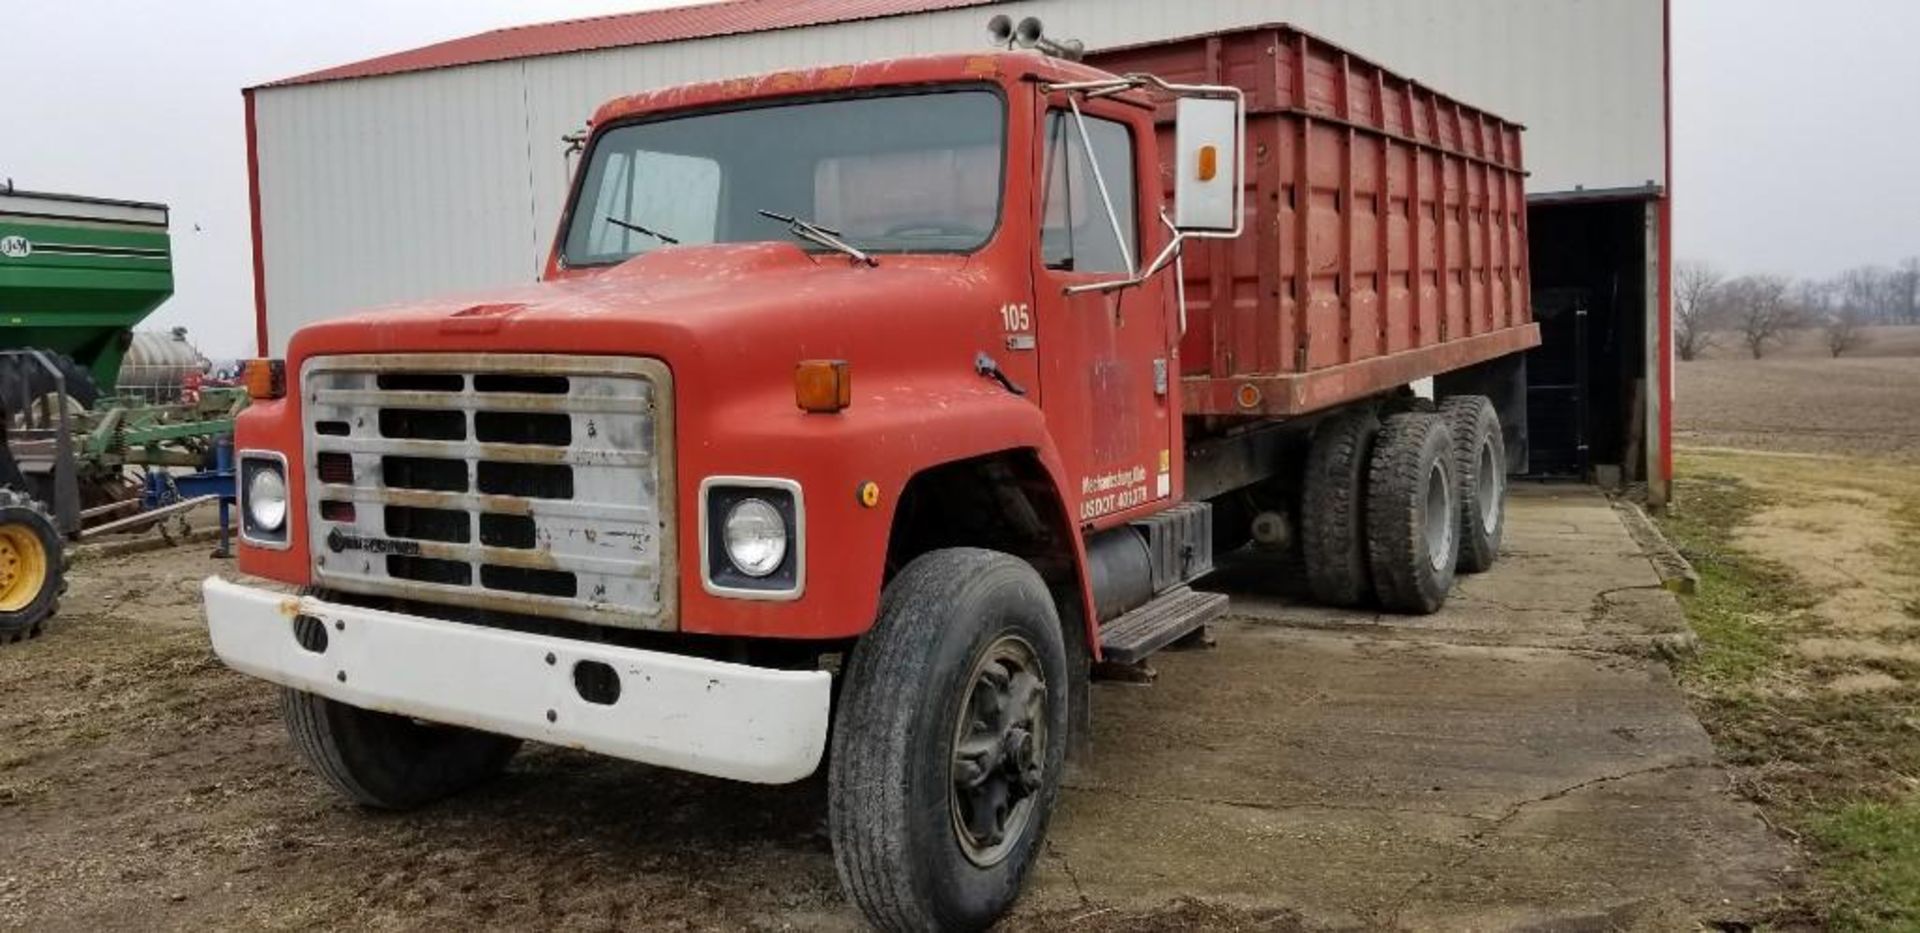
999,750
23,567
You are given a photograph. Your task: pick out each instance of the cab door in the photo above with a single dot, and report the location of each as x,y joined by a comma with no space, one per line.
1106,364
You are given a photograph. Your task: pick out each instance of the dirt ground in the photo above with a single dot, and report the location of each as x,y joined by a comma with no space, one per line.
1520,760
1799,399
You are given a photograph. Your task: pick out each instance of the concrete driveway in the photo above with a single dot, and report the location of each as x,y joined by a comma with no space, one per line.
1521,759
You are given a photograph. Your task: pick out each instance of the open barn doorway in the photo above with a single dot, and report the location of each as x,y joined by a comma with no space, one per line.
1588,383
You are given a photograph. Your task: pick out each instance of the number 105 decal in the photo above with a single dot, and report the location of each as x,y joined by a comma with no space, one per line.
1017,316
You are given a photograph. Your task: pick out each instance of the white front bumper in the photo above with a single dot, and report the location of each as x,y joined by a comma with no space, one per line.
710,717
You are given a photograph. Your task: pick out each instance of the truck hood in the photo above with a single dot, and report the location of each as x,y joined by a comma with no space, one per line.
715,299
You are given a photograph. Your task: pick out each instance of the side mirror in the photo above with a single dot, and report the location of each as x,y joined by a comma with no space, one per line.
1210,139
1208,134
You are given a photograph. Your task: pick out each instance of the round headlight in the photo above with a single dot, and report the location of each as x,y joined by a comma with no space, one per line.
267,498
756,537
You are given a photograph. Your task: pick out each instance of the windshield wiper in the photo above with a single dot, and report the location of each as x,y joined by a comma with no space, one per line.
814,233
630,225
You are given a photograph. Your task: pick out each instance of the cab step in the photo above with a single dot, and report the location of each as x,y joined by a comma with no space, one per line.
1159,623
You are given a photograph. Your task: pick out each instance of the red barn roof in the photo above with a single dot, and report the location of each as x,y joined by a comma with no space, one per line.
674,24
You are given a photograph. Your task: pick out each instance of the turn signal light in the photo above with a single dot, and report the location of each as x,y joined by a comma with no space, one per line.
1209,162
265,379
823,386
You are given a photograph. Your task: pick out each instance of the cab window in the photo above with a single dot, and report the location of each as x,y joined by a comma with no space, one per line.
906,172
1076,234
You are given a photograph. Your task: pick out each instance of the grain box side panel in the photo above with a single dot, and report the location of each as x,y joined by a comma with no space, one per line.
1385,223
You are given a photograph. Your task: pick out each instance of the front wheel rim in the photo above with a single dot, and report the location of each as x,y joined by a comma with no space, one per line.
999,751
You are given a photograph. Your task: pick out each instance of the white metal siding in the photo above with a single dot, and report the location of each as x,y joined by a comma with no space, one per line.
390,188
377,191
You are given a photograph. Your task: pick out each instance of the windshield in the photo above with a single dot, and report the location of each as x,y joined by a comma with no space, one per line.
903,173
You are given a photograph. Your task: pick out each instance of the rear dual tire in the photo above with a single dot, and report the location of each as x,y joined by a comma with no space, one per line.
1372,501
1413,535
1333,507
1480,464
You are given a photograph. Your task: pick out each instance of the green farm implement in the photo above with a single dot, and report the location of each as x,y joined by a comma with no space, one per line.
80,454
78,274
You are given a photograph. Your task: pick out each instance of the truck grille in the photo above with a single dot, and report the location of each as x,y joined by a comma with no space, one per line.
540,485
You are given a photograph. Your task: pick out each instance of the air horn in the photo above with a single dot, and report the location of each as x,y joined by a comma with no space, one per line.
1030,34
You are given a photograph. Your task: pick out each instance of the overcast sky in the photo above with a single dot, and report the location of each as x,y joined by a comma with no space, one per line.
1795,141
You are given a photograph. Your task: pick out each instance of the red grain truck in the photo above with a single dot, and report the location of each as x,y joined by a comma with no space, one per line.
863,412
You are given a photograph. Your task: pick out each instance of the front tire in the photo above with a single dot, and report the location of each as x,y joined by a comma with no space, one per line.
390,762
949,743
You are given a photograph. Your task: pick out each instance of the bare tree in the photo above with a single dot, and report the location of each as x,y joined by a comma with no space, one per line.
1866,291
1905,289
1815,299
1696,292
1846,331
1761,310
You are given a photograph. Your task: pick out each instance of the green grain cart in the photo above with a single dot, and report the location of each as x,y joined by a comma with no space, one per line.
76,275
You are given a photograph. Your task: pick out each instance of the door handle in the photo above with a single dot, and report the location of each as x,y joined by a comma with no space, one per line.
985,366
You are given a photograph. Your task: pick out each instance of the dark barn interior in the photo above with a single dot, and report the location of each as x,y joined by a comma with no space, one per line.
1587,381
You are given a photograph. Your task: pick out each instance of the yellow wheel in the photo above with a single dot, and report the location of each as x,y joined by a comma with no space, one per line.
32,566
23,566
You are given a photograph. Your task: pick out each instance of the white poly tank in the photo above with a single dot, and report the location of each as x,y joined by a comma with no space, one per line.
157,365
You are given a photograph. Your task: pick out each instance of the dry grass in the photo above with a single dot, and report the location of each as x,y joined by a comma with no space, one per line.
1808,676
1799,504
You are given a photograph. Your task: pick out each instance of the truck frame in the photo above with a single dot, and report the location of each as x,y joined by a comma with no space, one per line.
864,413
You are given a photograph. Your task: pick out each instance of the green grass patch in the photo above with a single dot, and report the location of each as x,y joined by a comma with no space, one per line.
1873,876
